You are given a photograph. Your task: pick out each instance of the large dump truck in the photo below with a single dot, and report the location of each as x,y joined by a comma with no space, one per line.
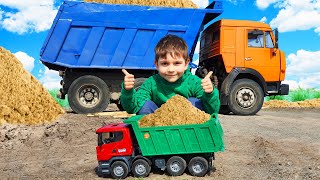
127,147
89,44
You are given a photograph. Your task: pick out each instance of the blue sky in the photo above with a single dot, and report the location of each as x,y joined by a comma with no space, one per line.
25,24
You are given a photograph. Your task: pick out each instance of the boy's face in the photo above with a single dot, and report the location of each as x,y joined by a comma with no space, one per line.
171,69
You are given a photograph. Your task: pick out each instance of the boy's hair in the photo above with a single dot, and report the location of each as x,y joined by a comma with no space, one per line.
173,45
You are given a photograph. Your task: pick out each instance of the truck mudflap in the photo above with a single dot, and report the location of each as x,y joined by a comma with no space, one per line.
284,89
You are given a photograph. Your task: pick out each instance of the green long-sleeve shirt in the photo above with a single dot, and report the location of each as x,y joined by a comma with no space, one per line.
158,90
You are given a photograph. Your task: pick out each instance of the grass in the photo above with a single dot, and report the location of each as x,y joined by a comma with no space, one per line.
299,94
62,102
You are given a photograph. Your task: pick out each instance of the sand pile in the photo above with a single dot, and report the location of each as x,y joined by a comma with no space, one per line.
176,111
312,103
166,3
23,99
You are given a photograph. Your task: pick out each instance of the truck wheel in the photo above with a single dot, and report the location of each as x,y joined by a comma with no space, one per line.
198,166
119,170
224,109
141,168
176,166
246,97
88,94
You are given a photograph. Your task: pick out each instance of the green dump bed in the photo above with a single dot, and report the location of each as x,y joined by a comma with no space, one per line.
180,139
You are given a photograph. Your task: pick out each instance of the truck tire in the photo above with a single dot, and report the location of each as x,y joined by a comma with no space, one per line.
88,94
176,166
246,97
137,83
224,109
198,166
119,170
141,168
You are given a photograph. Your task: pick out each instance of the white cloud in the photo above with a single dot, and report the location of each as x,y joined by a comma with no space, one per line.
50,79
235,2
197,49
303,69
27,61
1,14
294,14
201,3
27,16
264,19
263,4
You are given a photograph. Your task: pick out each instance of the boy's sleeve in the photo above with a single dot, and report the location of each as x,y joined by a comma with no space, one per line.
132,100
210,101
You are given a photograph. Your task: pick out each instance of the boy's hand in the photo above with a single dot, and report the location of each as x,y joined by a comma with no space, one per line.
207,84
128,80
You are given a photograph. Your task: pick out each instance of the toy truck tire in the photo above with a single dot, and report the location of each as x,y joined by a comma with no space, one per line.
141,168
198,166
119,170
88,94
176,166
246,97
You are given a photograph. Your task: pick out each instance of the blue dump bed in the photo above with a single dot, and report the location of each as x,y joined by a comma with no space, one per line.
110,36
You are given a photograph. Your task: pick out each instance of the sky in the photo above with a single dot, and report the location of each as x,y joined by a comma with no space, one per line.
24,26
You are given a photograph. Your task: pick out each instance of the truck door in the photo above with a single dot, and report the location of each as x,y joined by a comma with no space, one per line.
261,55
114,144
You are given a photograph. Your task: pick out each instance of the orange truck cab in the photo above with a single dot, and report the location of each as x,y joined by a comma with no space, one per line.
246,61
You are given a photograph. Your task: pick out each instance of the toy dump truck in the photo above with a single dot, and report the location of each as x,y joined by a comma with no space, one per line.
89,44
126,147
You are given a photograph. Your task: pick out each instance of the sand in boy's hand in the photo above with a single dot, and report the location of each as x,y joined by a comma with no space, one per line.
176,111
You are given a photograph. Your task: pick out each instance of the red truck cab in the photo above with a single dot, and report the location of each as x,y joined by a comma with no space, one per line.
113,141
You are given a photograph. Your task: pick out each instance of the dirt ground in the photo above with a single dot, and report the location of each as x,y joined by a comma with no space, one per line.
274,144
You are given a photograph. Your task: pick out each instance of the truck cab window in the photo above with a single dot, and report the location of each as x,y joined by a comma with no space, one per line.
255,40
111,137
269,42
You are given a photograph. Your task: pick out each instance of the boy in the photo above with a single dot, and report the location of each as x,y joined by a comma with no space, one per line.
173,78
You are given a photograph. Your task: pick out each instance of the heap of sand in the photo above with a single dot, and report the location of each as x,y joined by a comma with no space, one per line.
166,3
176,111
23,99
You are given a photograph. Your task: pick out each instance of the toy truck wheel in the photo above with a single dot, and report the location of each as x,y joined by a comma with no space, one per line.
176,166
198,166
141,168
88,94
246,97
119,170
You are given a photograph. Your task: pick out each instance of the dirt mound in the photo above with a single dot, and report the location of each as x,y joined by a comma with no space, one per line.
176,111
167,3
312,103
23,99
